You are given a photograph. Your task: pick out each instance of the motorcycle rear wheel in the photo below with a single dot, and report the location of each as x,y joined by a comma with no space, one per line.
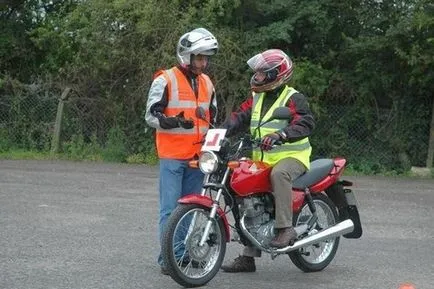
317,256
195,265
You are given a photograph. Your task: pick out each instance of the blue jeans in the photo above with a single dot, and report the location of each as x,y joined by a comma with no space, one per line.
176,180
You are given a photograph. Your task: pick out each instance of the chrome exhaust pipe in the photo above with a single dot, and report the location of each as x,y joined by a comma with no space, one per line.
339,229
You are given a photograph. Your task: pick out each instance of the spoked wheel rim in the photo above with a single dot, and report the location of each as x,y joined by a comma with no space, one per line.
196,261
318,252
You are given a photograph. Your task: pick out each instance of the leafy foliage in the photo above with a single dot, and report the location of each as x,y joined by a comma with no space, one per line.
368,56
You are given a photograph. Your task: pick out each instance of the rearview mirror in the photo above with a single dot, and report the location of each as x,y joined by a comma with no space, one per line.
278,113
200,113
281,113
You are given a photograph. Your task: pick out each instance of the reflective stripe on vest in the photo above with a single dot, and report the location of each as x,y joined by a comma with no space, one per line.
180,143
175,101
300,150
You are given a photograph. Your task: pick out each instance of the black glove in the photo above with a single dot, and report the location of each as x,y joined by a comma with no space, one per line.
184,123
174,121
168,122
230,127
269,140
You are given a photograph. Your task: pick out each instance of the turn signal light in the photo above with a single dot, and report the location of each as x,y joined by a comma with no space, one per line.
193,164
233,164
406,286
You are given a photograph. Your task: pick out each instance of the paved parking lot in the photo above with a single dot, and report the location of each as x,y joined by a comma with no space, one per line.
92,225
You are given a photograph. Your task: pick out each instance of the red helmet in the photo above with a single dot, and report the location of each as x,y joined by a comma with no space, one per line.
275,64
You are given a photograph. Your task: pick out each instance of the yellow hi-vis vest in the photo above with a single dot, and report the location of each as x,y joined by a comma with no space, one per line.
299,150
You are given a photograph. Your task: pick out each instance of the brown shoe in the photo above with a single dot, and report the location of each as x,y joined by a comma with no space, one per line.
285,237
240,264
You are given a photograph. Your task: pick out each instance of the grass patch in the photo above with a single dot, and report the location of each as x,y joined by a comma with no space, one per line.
93,155
19,154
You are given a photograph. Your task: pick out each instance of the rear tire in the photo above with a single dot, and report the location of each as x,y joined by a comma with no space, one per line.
205,261
318,256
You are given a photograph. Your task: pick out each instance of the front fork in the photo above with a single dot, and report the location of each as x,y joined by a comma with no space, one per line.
214,208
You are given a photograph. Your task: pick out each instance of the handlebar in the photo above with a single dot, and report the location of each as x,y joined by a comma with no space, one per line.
257,142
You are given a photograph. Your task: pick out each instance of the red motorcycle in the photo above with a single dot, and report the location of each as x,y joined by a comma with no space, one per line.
194,242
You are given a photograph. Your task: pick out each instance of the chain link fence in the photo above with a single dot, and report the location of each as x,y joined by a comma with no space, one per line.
27,115
365,136
378,137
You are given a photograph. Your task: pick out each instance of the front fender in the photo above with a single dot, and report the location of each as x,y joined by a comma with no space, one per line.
207,202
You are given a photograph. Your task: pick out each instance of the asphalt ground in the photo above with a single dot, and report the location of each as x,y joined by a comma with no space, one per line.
94,225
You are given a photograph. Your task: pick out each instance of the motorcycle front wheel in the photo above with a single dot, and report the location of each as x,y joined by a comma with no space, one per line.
188,263
317,256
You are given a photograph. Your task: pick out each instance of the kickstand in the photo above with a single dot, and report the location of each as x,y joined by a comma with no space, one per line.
273,254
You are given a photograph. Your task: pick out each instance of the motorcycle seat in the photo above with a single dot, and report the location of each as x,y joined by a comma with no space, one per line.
318,170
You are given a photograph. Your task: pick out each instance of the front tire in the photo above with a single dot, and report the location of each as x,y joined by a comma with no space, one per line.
189,264
317,256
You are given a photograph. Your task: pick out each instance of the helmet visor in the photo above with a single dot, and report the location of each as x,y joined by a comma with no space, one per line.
259,64
208,52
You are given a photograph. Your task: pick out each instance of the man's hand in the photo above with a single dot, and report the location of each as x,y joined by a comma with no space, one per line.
269,140
184,123
167,122
174,121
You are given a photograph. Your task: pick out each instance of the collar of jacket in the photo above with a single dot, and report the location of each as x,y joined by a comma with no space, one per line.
275,92
187,72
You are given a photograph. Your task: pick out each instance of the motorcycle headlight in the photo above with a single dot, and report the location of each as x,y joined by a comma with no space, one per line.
208,162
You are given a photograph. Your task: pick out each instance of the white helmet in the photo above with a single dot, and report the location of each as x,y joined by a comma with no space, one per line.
197,41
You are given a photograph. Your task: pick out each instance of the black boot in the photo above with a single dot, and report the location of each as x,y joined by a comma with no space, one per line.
240,264
285,237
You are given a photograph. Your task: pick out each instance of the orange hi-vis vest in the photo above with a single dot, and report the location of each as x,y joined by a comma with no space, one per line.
181,143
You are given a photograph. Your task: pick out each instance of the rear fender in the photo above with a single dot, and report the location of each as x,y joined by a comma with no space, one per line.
353,214
207,202
346,203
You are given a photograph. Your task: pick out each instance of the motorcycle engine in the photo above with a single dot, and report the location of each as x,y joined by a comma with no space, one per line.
258,219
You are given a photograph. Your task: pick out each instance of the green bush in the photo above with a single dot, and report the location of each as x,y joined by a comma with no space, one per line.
4,140
78,149
136,158
115,150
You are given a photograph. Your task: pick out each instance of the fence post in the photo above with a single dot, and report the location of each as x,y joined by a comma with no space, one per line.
430,157
58,124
